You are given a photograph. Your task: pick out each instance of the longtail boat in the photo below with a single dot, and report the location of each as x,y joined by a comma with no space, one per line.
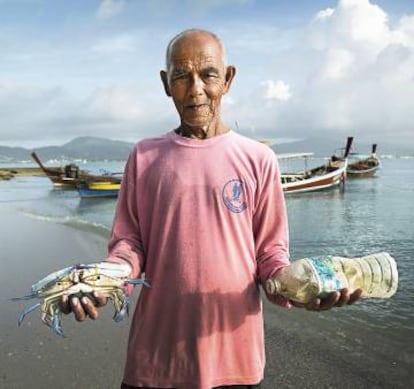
362,167
326,176
94,189
71,177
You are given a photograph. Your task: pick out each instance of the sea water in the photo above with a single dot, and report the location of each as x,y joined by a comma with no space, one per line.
36,197
365,216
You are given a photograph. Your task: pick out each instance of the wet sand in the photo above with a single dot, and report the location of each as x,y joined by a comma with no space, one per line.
312,350
304,350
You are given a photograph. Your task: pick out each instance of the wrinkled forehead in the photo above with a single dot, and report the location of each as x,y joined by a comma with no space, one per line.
197,49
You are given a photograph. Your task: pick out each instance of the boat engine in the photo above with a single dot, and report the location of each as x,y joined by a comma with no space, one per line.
71,171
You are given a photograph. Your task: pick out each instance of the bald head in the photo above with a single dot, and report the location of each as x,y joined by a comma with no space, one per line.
192,33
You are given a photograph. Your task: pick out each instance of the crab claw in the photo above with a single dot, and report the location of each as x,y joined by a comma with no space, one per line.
26,312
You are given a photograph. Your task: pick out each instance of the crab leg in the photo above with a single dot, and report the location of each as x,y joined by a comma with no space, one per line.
56,323
51,316
137,281
26,312
121,303
28,297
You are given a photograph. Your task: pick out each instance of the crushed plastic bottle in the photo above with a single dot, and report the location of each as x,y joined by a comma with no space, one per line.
308,278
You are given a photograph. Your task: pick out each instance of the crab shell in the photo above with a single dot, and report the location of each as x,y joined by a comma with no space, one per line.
64,278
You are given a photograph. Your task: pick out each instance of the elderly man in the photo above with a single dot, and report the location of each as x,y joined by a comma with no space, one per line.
201,212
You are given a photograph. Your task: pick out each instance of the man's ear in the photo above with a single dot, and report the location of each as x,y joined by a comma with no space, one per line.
230,73
164,79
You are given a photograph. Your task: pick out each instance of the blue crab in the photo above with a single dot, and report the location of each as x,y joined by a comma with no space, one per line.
107,279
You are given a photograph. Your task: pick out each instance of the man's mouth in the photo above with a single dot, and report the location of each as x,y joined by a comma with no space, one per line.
196,107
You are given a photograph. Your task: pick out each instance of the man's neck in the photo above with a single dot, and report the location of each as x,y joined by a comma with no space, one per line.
200,133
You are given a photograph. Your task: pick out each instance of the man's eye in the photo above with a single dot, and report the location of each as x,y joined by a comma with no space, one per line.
180,76
210,75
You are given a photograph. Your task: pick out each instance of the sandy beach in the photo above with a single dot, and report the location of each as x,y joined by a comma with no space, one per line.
300,348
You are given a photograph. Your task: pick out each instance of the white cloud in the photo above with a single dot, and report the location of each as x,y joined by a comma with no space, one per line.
52,113
278,90
324,14
337,64
356,24
405,33
109,8
363,22
120,43
119,103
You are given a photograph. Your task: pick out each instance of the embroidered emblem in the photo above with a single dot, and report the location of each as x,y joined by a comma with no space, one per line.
234,195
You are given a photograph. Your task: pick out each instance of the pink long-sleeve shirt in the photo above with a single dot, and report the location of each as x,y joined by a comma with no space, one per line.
205,220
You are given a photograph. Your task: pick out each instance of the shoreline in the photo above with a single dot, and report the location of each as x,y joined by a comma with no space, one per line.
303,349
8,173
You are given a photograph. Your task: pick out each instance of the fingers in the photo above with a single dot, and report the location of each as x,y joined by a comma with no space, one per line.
99,299
84,306
89,308
348,298
91,303
324,304
65,305
330,301
313,305
355,296
334,299
344,297
297,304
77,308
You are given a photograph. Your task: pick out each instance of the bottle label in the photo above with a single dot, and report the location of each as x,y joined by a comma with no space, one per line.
328,279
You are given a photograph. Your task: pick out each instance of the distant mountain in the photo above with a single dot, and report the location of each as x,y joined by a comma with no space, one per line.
325,147
95,148
13,154
320,147
85,147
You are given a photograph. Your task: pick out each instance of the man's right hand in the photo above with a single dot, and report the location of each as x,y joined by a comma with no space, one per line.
84,306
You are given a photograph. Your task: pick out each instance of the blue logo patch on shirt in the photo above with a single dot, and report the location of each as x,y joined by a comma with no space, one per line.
234,195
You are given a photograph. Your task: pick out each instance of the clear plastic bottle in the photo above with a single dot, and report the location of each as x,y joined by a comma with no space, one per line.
305,279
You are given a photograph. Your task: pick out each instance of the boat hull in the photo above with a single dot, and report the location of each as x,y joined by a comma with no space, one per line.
361,173
94,193
100,189
363,169
328,177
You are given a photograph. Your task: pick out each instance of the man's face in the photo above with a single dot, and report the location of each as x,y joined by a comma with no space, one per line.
196,80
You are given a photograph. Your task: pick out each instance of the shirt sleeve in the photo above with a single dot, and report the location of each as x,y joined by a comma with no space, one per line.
270,226
125,244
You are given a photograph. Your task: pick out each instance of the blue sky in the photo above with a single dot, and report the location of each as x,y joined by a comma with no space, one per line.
305,68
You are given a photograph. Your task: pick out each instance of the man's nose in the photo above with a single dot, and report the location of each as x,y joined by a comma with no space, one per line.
196,86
